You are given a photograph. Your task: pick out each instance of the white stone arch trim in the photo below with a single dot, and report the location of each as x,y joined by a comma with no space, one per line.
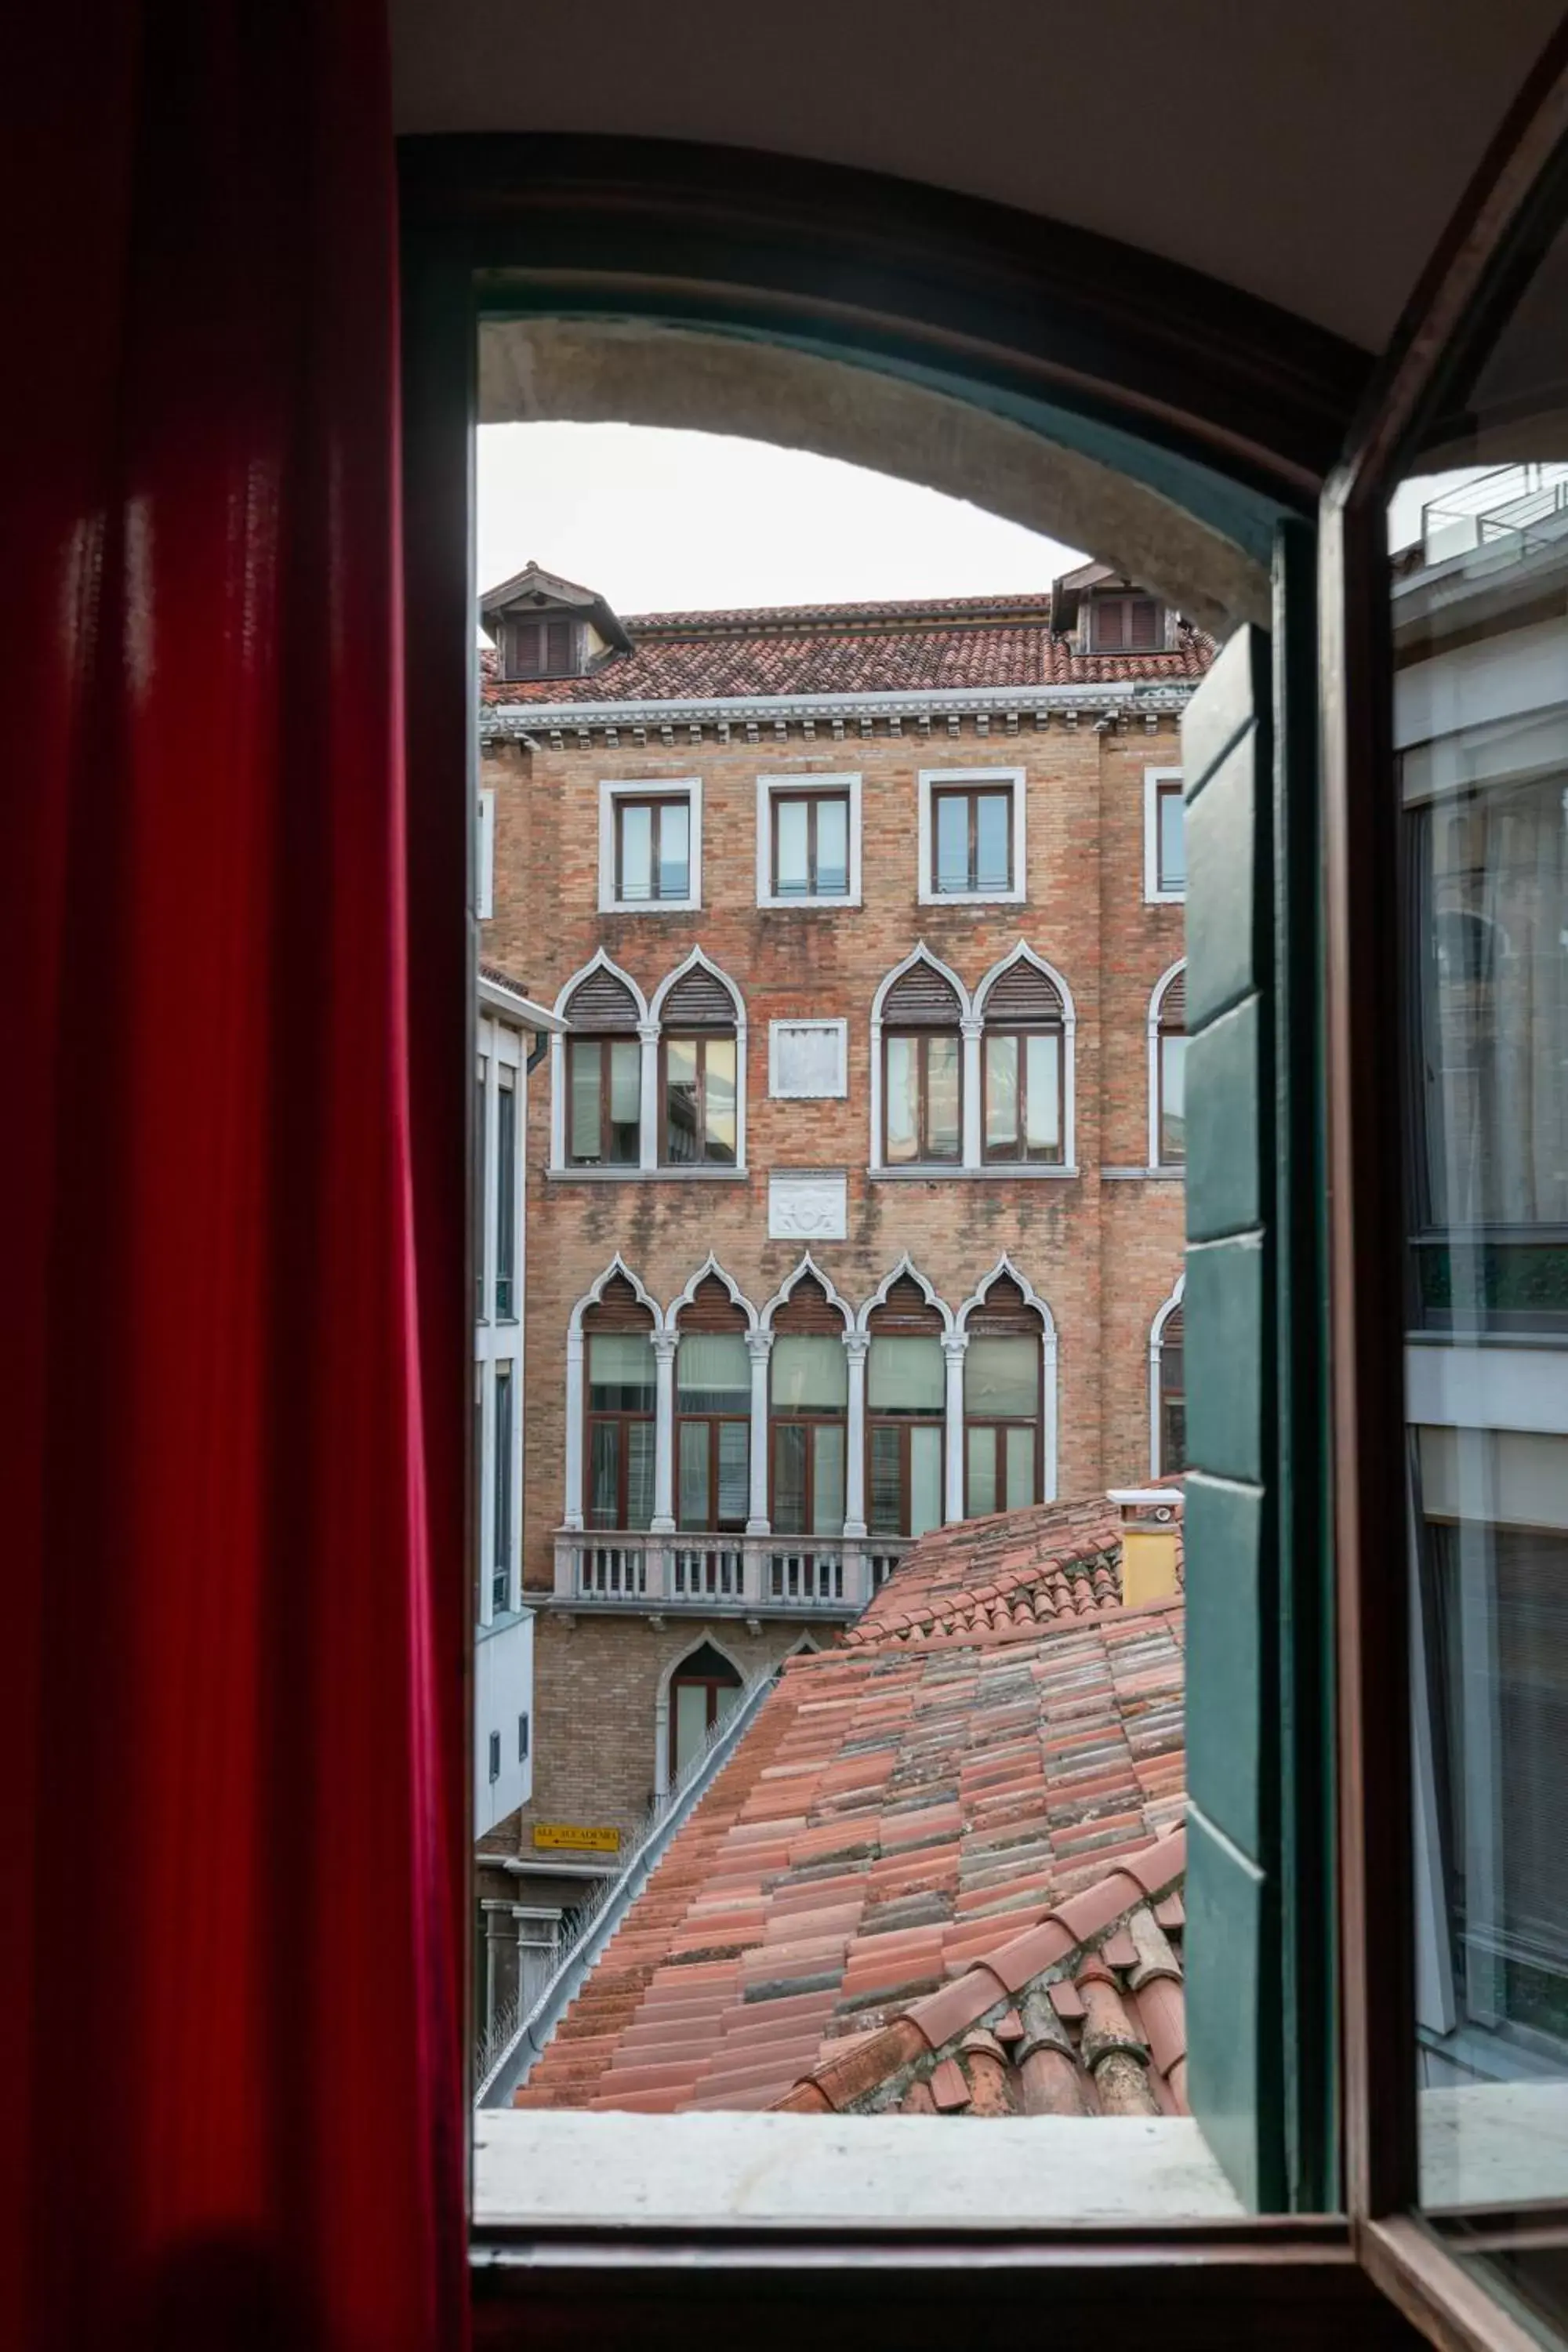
576,1395
807,1265
1156,1005
1024,953
878,1297
707,1639
697,961
1049,1356
919,953
598,961
1156,1339
684,1298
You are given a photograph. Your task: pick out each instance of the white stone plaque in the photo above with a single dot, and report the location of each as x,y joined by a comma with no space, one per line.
808,1208
807,1059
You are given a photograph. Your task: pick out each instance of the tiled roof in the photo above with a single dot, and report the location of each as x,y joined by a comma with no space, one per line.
915,1843
961,642
1000,1579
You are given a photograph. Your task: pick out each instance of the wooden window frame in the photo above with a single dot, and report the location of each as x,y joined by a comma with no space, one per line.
1019,1154
1163,1033
713,1525
903,1424
998,1423
701,1038
813,798
924,1156
622,1422
600,1038
1126,600
713,1684
973,793
655,802
541,626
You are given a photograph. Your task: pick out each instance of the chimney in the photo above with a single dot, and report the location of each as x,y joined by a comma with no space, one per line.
1150,1523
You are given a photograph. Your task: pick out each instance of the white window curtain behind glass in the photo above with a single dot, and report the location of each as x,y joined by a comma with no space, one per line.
905,1375
810,1374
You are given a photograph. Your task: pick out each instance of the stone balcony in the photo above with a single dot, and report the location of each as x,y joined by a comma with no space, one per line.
714,1575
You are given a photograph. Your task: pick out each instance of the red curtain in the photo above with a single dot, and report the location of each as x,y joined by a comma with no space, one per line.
230,1764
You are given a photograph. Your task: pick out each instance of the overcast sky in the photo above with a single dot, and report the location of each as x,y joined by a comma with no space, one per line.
660,521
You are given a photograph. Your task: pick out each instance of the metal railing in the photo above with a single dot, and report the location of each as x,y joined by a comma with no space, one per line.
831,1574
1509,504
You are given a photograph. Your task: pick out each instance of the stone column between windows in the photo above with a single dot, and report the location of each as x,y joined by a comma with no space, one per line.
759,1347
664,1347
972,1028
854,1346
647,1095
954,1347
573,1514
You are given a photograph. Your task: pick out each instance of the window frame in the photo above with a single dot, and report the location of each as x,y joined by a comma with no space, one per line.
510,1206
1159,1032
938,783
1125,599
616,793
771,789
713,1525
712,1684
541,624
999,1424
621,1417
600,1038
1158,783
701,1039
943,1163
1019,1155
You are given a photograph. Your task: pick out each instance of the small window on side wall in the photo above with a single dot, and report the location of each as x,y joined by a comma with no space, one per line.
649,848
1164,836
1125,625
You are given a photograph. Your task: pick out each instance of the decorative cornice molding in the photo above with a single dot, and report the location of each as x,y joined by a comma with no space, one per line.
1118,699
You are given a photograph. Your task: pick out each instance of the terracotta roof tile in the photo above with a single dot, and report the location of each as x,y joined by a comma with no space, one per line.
972,1839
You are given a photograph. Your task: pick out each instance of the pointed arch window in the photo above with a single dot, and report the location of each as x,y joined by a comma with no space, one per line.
1004,1404
604,1080
712,1413
1025,1049
923,1071
808,1414
1169,1072
704,1690
1171,1420
906,1399
699,1073
621,1416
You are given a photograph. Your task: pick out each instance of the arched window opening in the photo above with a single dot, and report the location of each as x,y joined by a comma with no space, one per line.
1173,1418
703,1690
1025,1067
808,1414
1004,1404
619,1334
906,1413
1169,1072
712,1412
603,1062
698,1073
922,1070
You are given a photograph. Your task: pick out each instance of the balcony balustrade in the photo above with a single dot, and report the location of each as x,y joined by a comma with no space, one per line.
807,1576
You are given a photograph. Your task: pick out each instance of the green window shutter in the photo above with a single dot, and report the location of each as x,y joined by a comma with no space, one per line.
1260,1875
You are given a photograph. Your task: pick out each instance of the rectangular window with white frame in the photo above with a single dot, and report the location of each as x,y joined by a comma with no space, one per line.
650,846
1165,837
808,841
972,837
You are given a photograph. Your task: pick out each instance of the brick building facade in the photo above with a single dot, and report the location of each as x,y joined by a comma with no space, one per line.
868,924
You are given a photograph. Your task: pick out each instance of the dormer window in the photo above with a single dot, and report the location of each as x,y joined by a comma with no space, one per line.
540,648
1126,624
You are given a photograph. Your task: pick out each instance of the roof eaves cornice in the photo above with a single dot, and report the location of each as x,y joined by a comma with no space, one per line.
1118,694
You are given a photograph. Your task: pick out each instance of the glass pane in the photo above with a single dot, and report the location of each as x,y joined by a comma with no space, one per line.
691,1467
583,1140
625,1101
903,1101
905,1375
809,1372
734,1473
1020,1455
1002,1378
680,1099
721,1099
981,1444
603,1474
886,1482
620,1373
943,1135
502,1530
1172,1099
832,848
828,1461
1479,563
712,1373
789,1477
992,862
1043,1105
637,851
640,1473
925,1478
1172,840
793,819
674,850
478,1233
505,1199
952,841
728,1697
1001,1094
691,1724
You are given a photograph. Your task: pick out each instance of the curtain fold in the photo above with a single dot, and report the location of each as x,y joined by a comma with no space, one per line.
230,1934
